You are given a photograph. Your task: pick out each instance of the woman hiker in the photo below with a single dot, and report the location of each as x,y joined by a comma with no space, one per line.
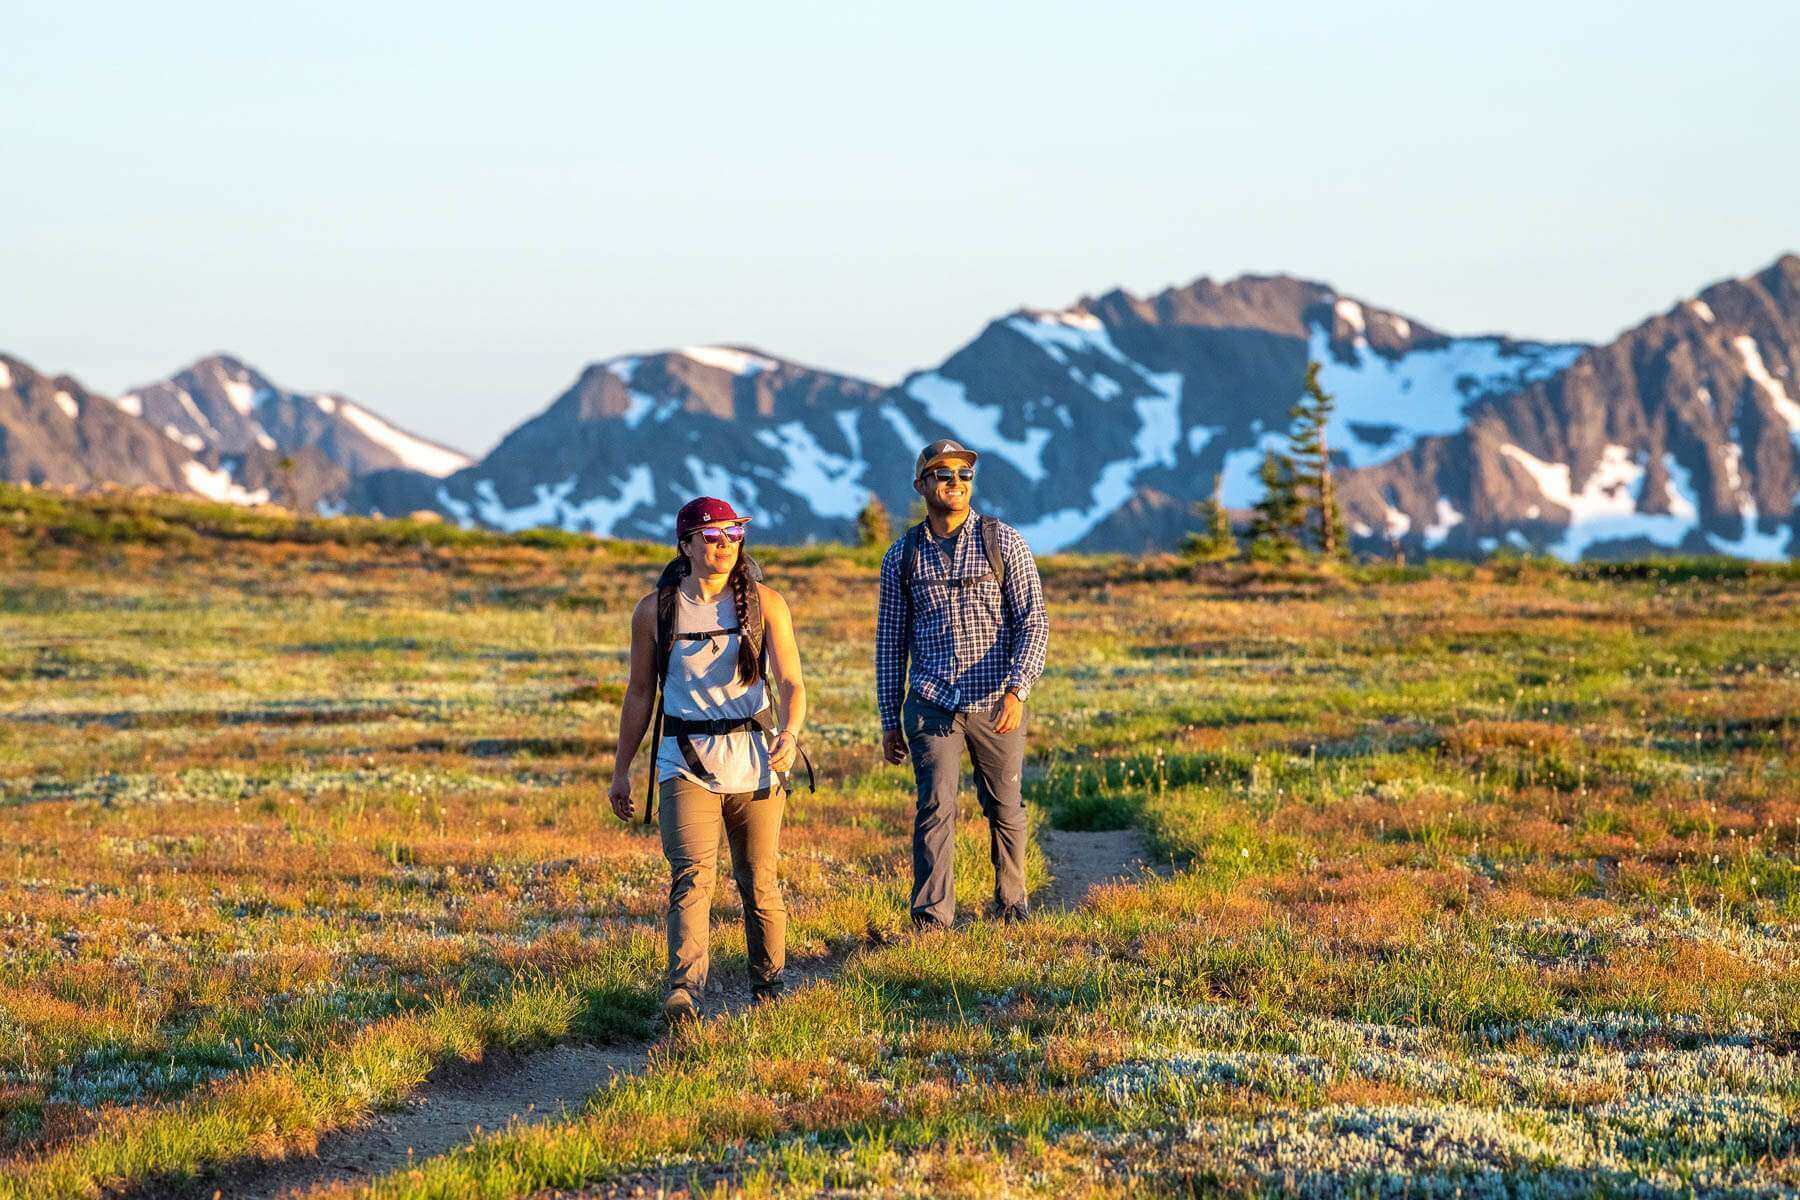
705,636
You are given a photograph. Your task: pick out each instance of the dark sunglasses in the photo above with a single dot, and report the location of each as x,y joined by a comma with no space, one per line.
713,536
946,474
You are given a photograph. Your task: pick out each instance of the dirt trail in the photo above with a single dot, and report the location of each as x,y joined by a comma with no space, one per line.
1079,861
459,1102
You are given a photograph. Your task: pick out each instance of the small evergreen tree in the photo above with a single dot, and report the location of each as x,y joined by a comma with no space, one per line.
1321,519
1278,517
872,525
1215,541
917,513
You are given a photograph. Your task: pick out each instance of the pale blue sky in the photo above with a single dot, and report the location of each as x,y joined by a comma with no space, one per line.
444,210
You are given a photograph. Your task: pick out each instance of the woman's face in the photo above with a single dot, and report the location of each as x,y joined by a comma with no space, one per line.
711,558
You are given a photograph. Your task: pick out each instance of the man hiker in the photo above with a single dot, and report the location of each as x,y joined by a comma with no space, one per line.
961,635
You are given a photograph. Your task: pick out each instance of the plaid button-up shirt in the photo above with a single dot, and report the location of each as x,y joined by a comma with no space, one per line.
971,638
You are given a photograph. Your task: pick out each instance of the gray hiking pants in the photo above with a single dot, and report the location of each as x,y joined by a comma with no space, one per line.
936,738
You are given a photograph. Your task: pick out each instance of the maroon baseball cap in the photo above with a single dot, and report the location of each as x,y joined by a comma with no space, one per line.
703,511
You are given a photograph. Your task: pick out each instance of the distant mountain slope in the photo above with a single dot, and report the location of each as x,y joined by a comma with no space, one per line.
251,424
1096,423
54,432
1099,425
1683,434
634,437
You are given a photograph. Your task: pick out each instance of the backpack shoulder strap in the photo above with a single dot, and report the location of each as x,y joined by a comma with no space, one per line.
909,550
990,543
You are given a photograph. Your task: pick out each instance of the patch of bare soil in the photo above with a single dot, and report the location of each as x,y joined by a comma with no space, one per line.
1079,860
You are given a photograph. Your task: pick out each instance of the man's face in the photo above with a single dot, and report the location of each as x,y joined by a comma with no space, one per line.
712,557
949,495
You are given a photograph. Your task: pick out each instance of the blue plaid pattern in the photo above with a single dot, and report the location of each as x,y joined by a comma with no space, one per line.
968,643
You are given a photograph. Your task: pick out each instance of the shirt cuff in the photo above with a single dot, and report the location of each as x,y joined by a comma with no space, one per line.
1017,688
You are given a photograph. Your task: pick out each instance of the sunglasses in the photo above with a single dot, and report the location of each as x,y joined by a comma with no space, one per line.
946,474
713,536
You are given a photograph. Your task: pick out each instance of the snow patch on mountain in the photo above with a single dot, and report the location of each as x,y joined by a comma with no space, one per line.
623,369
241,395
130,404
1703,310
724,358
830,483
1447,519
216,483
193,441
1351,314
413,453
978,425
1158,435
326,404
711,479
5,376
1607,508
641,405
1751,543
1424,392
903,428
551,507
67,403
1060,334
1785,406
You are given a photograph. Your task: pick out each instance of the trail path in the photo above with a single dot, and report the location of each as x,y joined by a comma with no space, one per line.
1079,861
461,1101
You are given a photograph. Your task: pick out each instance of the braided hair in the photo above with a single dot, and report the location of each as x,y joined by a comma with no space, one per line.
749,662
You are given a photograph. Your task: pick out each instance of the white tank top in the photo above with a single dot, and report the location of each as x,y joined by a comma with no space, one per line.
703,685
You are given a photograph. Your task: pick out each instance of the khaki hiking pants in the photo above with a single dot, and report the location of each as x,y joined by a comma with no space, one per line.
693,819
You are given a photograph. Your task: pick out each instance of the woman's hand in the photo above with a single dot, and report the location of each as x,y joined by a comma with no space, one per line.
619,792
783,751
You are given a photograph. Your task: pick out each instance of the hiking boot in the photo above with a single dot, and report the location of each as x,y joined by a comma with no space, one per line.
764,993
924,923
1012,914
678,1010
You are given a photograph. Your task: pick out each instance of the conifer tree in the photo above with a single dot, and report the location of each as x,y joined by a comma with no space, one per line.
872,525
1321,520
1278,517
1214,541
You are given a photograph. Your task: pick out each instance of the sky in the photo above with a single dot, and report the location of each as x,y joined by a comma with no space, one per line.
444,210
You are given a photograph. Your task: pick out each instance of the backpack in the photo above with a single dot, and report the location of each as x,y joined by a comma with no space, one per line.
749,628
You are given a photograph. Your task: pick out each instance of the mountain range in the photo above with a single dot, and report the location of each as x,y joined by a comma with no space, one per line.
1099,425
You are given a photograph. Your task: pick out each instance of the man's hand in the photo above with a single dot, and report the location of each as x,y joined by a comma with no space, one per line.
893,746
783,752
619,792
1008,713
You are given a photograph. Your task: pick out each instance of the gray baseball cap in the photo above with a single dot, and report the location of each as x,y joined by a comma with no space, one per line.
941,449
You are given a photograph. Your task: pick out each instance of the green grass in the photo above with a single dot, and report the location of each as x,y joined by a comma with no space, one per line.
299,811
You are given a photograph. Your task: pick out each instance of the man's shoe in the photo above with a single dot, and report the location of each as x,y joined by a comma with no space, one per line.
923,923
679,1011
1012,914
764,993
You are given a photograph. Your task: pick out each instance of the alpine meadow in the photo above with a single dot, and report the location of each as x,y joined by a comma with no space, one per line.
1451,879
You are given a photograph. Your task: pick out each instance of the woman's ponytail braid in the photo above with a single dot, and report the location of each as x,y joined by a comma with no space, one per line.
749,662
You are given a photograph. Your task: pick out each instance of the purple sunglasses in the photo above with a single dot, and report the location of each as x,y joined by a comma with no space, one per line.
712,536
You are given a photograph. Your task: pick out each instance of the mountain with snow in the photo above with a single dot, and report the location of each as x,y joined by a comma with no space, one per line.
1098,424
306,447
635,437
1683,434
54,432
